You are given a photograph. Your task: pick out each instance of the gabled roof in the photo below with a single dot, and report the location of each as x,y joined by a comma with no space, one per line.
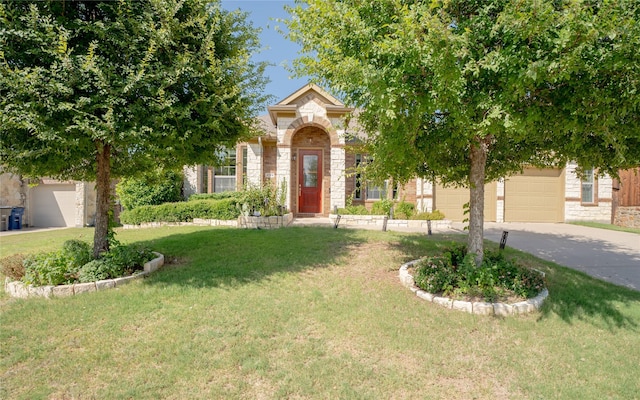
288,104
308,88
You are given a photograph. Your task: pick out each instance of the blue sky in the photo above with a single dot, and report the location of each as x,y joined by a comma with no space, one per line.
277,49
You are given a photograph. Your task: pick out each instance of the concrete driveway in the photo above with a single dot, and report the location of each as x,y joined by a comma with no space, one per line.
609,255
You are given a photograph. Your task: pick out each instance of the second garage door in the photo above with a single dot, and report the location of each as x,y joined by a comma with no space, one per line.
537,195
53,205
451,202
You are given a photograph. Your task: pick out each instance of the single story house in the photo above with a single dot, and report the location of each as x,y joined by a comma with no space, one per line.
304,147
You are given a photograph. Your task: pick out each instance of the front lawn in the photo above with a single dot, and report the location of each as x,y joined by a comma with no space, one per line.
308,312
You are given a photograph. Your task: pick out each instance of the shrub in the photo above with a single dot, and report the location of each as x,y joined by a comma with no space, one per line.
454,274
68,266
152,188
13,266
119,261
265,201
183,212
48,269
353,210
424,216
382,207
77,253
96,270
404,210
124,260
215,196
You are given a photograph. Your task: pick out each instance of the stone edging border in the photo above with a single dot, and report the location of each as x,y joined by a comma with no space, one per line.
481,308
19,290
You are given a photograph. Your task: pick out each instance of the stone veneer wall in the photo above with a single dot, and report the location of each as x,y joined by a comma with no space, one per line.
574,210
192,181
254,164
627,216
338,178
11,190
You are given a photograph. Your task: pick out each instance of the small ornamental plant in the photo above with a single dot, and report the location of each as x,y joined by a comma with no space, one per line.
74,264
454,274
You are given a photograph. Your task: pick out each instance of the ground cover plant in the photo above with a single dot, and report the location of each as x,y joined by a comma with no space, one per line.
308,312
453,273
74,263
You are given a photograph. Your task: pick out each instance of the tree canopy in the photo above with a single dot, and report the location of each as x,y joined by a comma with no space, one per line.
467,92
94,90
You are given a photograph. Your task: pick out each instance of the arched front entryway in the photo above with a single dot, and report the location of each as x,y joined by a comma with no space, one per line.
311,171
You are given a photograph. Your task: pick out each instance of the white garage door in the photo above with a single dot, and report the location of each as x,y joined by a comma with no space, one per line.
53,205
535,196
451,201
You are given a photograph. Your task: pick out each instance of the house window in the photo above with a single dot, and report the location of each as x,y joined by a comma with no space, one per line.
376,192
368,190
224,179
587,186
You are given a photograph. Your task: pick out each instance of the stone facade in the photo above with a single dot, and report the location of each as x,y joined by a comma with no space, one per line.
312,119
627,216
577,210
12,190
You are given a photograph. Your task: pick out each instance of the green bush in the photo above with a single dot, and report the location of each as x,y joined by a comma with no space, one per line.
152,188
353,210
454,273
215,196
96,270
436,215
48,269
382,207
119,261
224,209
77,252
265,201
404,210
68,265
13,266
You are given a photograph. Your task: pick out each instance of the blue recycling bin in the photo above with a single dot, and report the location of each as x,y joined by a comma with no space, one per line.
15,219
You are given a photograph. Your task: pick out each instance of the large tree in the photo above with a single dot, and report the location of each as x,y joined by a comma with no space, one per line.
95,90
466,92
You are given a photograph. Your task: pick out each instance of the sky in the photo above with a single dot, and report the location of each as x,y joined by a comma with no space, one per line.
276,49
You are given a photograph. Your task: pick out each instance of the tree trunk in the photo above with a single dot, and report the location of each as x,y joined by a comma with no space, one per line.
478,159
103,196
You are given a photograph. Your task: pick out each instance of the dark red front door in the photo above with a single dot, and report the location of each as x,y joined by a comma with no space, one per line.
310,181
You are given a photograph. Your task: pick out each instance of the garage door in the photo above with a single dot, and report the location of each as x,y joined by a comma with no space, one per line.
537,195
53,205
451,201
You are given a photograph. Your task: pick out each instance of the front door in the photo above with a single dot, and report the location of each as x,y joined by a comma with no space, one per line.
310,181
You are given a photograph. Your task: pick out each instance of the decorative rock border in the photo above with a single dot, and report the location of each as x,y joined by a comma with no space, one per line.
378,220
482,308
242,221
196,222
20,290
273,222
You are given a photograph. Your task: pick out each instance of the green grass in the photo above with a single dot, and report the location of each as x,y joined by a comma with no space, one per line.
602,225
311,313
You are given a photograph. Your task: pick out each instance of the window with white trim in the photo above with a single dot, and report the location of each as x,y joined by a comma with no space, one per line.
224,175
587,187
